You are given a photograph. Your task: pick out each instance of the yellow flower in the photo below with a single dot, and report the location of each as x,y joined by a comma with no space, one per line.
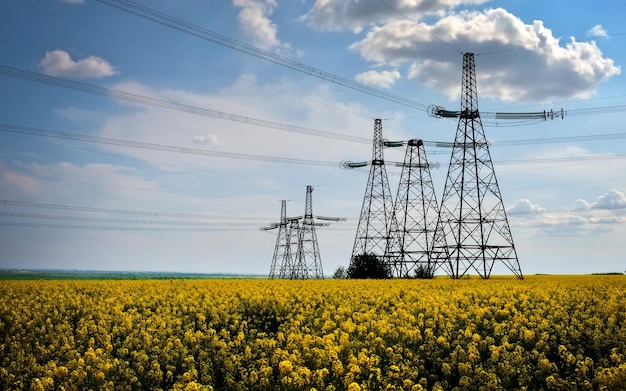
354,387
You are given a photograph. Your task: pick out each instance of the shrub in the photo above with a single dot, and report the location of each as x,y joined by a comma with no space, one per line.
368,265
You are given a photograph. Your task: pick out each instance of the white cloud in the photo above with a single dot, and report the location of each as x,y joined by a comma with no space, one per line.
522,62
384,79
336,15
73,1
597,31
584,218
254,21
525,208
59,63
206,139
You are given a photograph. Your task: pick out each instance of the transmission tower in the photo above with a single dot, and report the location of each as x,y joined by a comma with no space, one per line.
308,263
377,211
290,269
296,254
281,251
472,230
416,211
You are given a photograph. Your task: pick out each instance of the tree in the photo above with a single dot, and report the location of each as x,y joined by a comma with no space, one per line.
422,271
340,273
368,265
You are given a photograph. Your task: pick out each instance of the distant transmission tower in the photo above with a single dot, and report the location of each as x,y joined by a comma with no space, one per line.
377,210
297,255
308,263
416,212
472,230
282,254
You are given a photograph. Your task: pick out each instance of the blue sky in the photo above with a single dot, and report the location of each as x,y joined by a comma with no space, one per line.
529,57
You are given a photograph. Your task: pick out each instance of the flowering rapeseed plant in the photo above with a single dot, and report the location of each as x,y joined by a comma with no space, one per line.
541,333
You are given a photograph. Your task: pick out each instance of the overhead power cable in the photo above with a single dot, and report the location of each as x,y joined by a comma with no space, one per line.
126,211
274,159
121,221
160,147
212,36
165,53
146,100
117,228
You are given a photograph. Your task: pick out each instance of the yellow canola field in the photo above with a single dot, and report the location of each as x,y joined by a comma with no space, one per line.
541,333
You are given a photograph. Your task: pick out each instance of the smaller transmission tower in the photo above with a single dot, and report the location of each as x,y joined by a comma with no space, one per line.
416,211
297,255
377,210
472,230
290,269
281,251
308,263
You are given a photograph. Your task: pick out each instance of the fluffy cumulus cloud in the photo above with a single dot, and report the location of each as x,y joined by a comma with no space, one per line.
384,79
254,21
336,15
582,219
597,31
514,60
524,208
60,63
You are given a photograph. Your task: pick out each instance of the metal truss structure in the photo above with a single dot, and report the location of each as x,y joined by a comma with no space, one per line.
472,231
296,254
416,211
282,255
308,263
377,209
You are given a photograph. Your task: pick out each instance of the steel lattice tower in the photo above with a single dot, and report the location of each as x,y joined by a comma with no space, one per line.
290,269
416,211
287,242
472,229
377,211
308,263
281,250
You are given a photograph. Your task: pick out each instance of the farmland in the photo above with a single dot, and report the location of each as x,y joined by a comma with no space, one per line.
544,332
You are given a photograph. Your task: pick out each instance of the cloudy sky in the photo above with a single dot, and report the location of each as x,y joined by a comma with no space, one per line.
163,139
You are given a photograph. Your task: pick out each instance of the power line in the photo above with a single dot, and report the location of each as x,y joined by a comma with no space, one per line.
544,45
160,147
127,211
146,100
188,60
122,221
116,228
208,35
274,159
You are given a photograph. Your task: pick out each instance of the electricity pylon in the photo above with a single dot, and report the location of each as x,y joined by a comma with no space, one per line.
377,210
297,255
472,231
416,211
308,263
282,254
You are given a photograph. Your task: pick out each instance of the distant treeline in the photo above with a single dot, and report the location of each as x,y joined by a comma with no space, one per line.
14,274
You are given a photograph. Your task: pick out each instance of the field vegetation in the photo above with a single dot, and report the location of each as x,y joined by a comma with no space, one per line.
540,333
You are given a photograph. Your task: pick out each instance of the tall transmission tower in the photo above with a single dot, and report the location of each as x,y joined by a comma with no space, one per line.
416,211
308,263
472,231
377,211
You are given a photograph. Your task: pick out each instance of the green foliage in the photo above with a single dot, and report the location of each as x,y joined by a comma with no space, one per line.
340,273
423,272
368,265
